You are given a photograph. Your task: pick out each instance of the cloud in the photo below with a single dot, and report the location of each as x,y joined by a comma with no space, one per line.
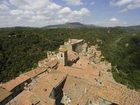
112,22
120,2
65,10
54,6
16,12
127,4
73,15
38,13
82,12
74,2
34,4
3,7
113,19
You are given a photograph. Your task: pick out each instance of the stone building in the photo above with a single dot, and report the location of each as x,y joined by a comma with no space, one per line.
78,91
11,89
51,54
50,65
62,56
74,45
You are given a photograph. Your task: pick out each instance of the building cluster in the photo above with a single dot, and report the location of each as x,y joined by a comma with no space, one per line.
64,57
67,53
78,91
11,89
68,77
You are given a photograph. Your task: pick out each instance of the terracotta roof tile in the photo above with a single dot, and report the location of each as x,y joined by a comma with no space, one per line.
22,78
15,82
4,94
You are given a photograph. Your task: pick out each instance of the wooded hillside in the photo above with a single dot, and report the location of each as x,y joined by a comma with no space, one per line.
22,48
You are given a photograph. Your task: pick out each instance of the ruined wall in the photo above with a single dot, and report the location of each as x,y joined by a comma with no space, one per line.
74,46
78,47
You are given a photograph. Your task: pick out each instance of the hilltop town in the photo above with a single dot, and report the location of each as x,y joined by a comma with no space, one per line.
76,74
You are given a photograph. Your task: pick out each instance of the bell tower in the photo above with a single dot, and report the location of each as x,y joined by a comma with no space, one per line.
62,56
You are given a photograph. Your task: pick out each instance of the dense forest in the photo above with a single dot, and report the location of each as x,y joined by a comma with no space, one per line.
22,48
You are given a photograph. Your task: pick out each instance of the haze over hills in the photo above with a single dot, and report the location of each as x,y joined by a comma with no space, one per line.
70,25
82,25
137,27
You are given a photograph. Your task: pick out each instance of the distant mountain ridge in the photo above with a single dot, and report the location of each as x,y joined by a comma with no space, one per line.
69,25
137,27
81,25
76,25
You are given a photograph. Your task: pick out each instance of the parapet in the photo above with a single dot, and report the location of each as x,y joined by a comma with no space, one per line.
75,41
62,48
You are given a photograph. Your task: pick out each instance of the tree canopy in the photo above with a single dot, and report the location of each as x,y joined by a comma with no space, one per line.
22,48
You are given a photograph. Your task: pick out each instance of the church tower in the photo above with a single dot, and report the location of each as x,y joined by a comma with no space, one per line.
62,56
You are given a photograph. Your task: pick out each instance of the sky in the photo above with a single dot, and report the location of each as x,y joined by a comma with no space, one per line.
39,13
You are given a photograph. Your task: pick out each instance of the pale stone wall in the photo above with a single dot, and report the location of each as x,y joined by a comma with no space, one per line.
68,46
62,56
51,54
66,100
74,45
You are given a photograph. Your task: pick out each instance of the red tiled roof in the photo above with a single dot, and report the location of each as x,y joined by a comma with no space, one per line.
15,82
22,78
35,72
52,63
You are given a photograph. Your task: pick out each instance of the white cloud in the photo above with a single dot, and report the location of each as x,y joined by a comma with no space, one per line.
54,6
39,13
34,4
65,10
128,4
74,2
134,5
3,7
113,19
16,12
112,23
39,17
82,12
29,4
120,2
73,15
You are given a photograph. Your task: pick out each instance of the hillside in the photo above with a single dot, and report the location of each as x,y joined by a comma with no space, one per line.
22,48
69,25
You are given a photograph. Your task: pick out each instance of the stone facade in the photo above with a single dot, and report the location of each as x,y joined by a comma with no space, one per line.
66,100
51,54
62,56
74,45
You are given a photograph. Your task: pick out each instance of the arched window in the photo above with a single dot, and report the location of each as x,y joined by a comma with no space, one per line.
61,55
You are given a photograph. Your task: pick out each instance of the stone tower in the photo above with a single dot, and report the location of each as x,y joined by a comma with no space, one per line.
62,56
